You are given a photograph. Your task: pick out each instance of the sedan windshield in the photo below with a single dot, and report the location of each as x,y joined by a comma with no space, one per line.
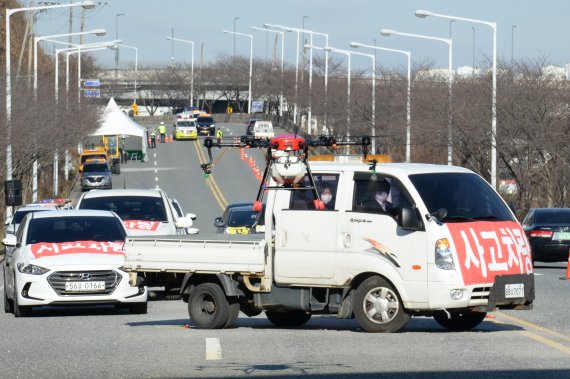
464,197
129,207
240,218
185,124
80,228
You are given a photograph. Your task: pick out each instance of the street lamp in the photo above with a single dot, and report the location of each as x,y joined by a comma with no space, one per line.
493,26
408,105
326,36
192,68
388,32
250,36
512,43
98,32
117,37
116,47
348,54
282,62
9,12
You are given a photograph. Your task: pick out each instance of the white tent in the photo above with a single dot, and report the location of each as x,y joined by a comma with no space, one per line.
115,122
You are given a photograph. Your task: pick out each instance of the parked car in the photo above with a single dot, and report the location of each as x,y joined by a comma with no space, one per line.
96,175
249,127
143,211
68,258
548,232
205,125
238,218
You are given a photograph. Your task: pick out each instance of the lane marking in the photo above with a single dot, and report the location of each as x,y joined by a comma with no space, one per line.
532,325
155,163
213,349
156,178
155,171
547,342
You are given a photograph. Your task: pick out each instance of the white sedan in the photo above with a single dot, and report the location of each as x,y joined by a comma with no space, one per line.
65,258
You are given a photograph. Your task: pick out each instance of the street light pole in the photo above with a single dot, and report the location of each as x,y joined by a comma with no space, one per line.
408,92
98,32
192,67
493,25
250,36
9,12
117,37
282,62
116,47
449,42
348,54
512,43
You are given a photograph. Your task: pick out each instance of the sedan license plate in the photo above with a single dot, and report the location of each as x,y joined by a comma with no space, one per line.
84,286
514,290
561,236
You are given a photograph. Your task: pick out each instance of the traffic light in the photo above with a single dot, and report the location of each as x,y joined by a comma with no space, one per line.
13,192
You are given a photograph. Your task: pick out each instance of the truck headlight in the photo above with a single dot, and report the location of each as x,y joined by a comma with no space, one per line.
443,255
31,269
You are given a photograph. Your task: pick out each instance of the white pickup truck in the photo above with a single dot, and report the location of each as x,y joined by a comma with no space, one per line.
396,241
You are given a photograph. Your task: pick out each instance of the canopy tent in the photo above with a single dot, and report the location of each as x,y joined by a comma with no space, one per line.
115,122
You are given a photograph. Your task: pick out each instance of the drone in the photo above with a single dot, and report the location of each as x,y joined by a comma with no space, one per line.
287,160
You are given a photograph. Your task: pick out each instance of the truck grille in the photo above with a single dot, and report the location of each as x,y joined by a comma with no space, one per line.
480,296
58,279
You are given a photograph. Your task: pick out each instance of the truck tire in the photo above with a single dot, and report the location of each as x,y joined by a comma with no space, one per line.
378,308
233,314
288,318
138,308
117,166
459,321
208,307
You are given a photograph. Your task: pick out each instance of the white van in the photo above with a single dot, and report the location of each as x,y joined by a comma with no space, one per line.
263,130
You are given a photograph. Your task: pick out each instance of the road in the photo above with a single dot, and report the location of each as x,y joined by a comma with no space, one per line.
105,342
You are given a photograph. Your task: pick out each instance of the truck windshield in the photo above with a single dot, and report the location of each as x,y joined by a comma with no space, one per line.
465,197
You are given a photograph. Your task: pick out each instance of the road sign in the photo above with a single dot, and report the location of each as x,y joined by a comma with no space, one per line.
92,83
92,93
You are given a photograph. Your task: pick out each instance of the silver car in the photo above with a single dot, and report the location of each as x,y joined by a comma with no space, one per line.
96,176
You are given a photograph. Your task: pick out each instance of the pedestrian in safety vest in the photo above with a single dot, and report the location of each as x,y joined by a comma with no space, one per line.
153,139
219,135
162,131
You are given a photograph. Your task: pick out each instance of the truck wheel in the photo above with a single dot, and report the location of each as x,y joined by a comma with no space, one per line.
378,308
232,314
117,168
138,308
288,318
208,307
459,321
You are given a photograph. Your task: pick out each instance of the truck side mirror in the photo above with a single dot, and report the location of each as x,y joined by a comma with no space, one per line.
409,219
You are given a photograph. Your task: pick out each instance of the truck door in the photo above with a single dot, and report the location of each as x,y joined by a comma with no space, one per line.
306,240
372,239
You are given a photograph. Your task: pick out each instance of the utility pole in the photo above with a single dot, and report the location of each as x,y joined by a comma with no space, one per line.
201,62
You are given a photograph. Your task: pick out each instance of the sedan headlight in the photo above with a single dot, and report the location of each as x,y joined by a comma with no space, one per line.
31,269
443,255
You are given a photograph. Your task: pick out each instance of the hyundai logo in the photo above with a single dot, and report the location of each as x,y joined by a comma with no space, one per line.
84,276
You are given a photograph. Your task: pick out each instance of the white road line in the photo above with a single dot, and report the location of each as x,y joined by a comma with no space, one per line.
156,171
213,349
156,178
155,155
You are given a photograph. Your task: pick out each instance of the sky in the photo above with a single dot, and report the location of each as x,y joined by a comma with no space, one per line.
526,29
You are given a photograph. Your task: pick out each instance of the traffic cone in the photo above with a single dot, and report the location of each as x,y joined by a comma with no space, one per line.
567,269
171,139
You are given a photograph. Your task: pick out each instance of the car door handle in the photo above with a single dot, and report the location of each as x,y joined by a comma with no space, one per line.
347,240
283,238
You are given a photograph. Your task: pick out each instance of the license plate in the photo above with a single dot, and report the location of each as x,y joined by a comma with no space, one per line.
561,236
514,290
84,286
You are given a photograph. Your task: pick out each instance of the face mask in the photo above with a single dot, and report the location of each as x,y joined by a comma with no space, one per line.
326,198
